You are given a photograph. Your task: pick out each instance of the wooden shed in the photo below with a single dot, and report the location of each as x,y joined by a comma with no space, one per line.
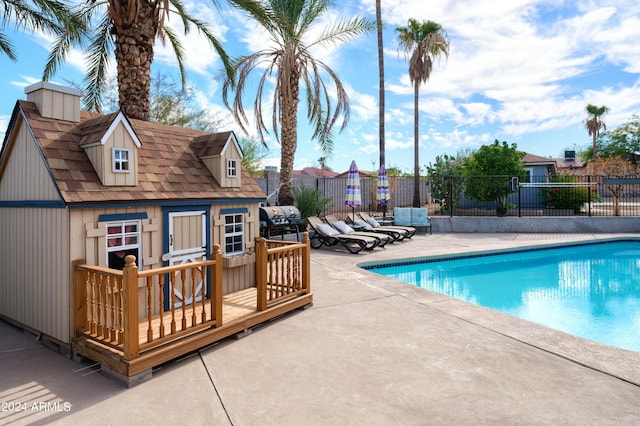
76,185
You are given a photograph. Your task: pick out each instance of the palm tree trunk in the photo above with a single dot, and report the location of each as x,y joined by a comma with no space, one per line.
289,134
381,83
416,146
134,55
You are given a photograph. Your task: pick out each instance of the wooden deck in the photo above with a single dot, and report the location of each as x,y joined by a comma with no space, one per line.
235,306
110,330
239,315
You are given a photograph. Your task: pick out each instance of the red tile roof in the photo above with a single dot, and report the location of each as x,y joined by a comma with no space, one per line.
169,167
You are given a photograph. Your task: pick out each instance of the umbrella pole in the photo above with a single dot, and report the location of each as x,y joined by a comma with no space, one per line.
384,211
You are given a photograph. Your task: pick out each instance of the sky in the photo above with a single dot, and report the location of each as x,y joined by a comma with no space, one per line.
520,71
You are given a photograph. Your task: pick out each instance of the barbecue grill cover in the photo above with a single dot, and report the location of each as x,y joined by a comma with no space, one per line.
292,214
272,215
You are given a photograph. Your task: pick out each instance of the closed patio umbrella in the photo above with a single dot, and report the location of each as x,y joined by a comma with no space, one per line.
382,193
353,197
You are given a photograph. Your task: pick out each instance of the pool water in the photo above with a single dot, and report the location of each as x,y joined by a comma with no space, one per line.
589,290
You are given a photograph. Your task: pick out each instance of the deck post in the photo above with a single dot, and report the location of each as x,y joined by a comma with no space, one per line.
216,296
80,299
261,273
306,263
130,300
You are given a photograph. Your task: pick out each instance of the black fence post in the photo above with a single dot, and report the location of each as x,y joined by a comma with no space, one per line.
451,196
519,201
589,195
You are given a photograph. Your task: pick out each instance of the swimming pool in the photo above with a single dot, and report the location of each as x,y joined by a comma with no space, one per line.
591,290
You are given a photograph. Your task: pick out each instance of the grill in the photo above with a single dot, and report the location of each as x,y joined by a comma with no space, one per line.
281,219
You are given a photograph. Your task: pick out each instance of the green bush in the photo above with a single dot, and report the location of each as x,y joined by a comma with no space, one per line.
567,197
308,200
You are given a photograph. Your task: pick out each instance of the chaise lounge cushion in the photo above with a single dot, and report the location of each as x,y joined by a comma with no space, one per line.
327,230
361,224
419,217
342,227
402,216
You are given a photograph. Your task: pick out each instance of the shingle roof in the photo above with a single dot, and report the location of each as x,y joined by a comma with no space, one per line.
532,158
210,144
169,167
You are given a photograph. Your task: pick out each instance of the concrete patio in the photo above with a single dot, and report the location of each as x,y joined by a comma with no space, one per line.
370,351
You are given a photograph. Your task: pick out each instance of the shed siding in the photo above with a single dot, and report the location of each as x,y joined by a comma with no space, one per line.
88,241
35,269
101,156
49,103
120,138
213,164
231,153
240,277
88,235
97,159
26,176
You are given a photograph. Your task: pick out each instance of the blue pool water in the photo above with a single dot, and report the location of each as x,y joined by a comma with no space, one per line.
588,290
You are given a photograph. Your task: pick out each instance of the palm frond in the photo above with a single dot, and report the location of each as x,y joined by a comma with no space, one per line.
342,31
6,47
179,52
203,29
41,18
99,53
72,35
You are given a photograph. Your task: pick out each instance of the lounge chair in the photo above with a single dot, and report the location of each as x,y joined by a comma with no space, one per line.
360,225
409,230
325,235
345,229
416,217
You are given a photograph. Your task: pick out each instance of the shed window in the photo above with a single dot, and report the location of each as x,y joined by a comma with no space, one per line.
232,168
120,160
233,234
123,239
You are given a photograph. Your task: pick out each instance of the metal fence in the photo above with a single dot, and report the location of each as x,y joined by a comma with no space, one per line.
538,196
401,190
452,196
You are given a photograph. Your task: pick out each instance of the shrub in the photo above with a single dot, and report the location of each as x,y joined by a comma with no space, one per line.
308,200
567,197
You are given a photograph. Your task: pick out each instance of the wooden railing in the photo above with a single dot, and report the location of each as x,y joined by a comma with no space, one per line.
108,301
282,270
107,308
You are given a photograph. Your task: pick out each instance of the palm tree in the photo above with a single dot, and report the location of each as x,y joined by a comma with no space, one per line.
128,29
48,16
381,81
289,60
595,122
425,41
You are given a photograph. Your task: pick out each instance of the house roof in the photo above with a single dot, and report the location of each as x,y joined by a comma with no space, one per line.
97,130
169,167
314,171
361,173
537,159
212,144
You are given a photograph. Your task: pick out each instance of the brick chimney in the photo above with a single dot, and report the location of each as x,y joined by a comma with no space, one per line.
55,101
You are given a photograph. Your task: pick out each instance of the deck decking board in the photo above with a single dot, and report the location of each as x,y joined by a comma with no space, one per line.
239,314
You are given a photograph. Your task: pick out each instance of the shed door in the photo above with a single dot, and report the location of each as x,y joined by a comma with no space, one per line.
187,243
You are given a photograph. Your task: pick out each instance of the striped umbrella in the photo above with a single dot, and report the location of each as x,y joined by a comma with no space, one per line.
353,198
382,193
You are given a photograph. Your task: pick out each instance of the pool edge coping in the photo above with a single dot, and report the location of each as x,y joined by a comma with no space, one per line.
613,361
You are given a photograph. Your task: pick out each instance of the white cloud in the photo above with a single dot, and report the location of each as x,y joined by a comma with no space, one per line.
363,106
199,55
